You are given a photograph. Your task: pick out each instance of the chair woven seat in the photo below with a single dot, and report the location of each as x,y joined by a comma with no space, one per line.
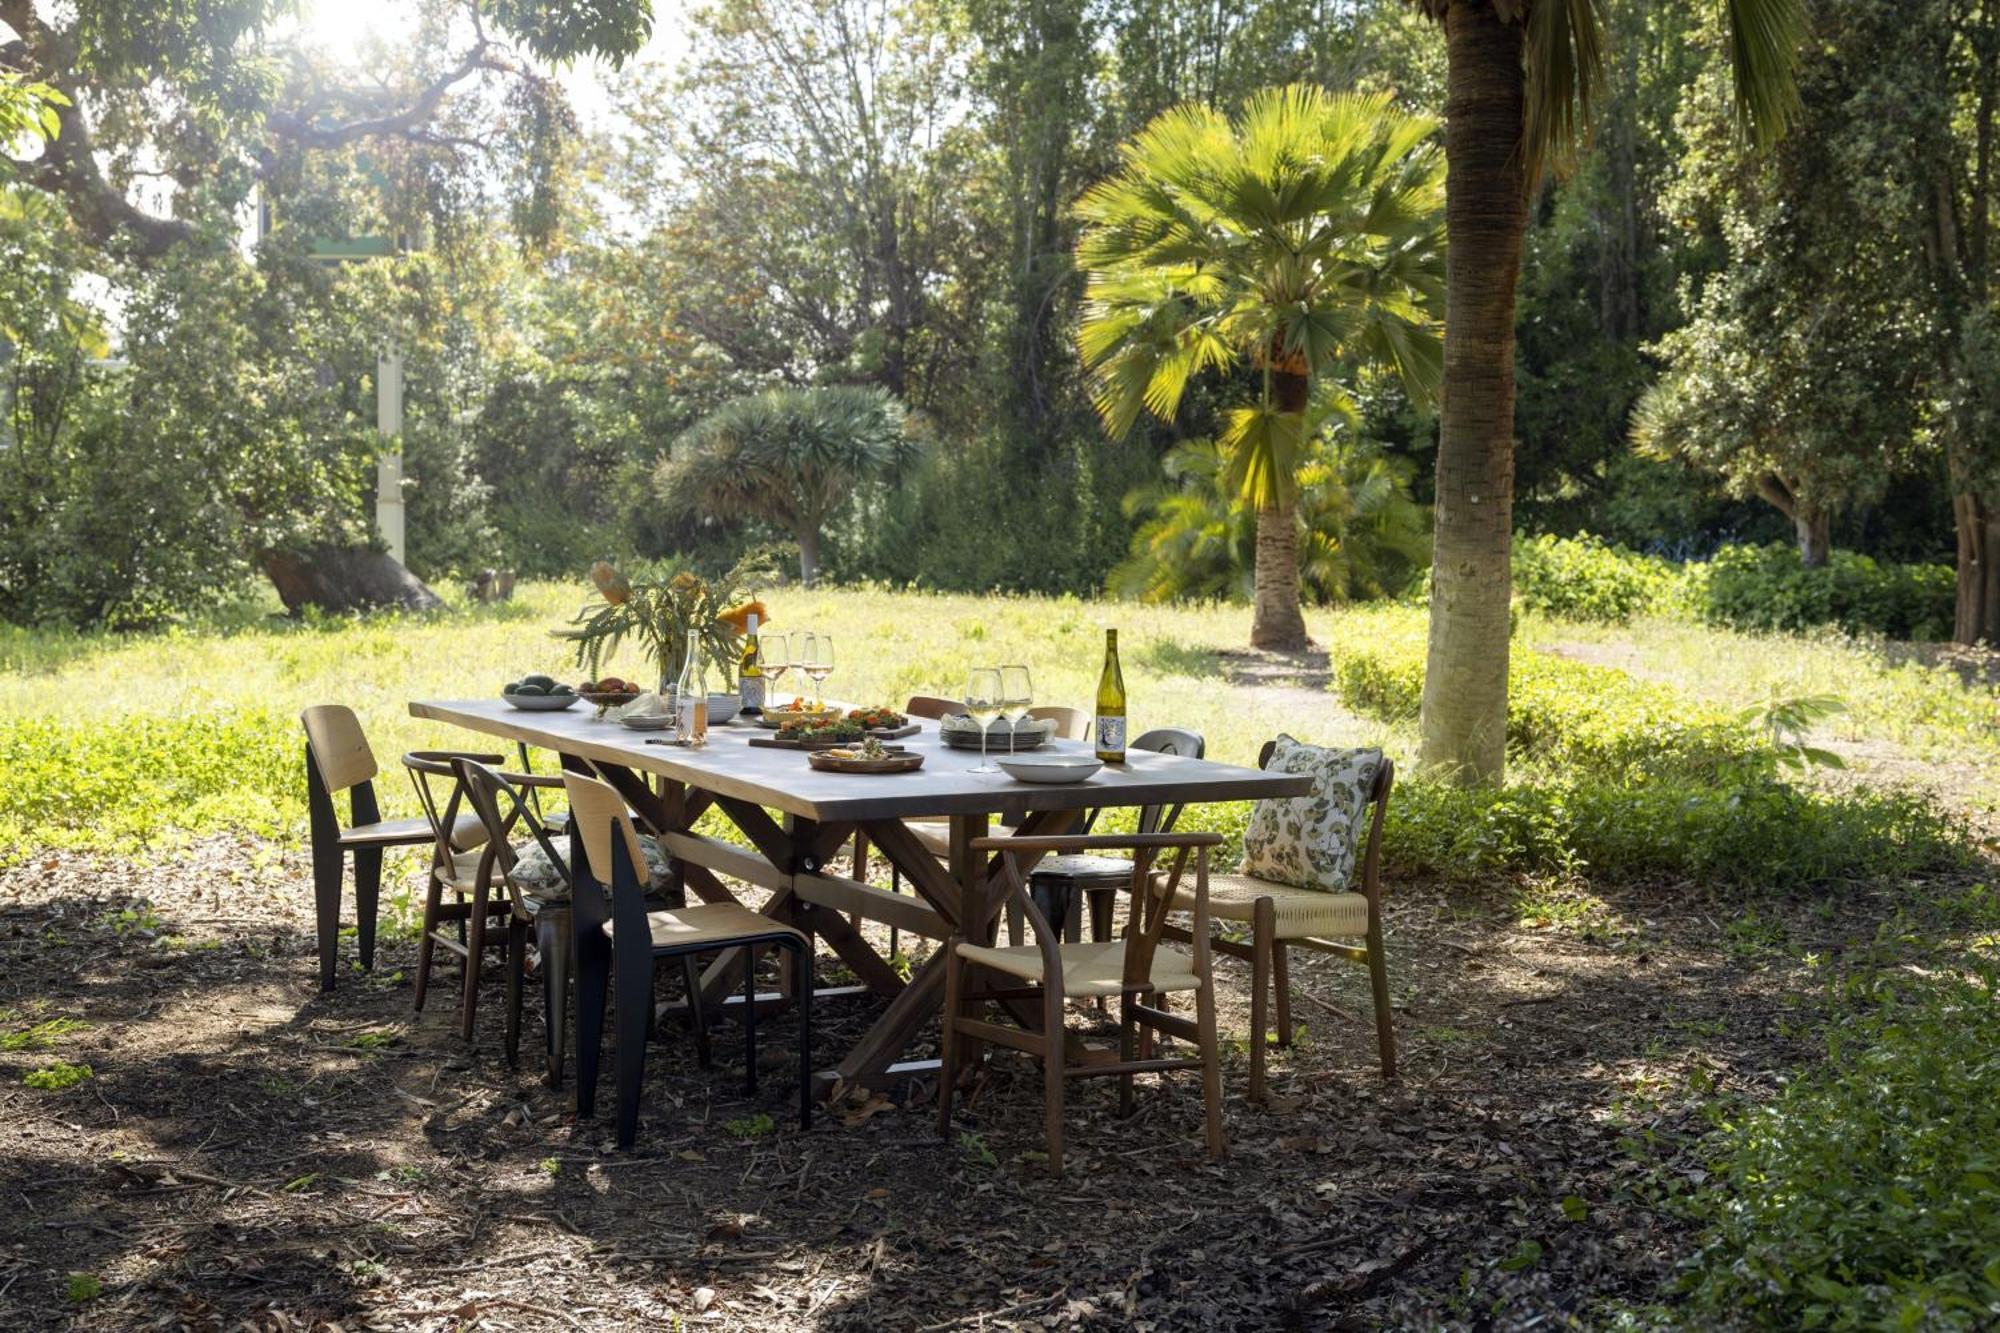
1088,969
690,926
1300,913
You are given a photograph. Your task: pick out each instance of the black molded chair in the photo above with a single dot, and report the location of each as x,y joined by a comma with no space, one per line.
624,938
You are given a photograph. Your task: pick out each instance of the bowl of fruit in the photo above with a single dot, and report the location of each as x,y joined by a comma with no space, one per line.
609,692
538,694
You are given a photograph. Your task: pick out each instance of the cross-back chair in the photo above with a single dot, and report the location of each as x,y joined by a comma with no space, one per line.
1136,969
1281,916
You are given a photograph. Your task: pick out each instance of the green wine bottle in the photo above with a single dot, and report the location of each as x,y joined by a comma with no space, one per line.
1110,727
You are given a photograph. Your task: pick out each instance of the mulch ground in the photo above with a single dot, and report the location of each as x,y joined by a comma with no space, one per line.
251,1154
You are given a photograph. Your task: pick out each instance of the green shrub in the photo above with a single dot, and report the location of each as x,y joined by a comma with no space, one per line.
131,778
1769,588
1584,579
1866,1195
1571,716
1750,833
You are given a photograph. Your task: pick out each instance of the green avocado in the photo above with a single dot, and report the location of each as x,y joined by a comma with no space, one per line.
545,683
529,689
510,687
563,691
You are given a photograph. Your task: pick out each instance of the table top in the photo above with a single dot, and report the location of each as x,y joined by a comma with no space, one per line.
782,779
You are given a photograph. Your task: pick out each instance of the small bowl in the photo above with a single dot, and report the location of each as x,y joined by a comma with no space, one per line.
722,707
540,703
1049,769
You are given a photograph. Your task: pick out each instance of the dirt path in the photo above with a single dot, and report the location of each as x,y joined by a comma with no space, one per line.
247,1153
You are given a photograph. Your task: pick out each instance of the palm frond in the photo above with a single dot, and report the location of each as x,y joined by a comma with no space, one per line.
1765,38
1564,59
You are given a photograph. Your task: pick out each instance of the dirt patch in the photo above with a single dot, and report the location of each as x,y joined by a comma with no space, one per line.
248,1153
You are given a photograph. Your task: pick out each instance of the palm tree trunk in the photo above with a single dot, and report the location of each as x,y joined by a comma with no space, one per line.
808,539
1276,622
1464,716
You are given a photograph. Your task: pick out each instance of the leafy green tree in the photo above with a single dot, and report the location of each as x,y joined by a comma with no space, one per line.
1523,78
1359,532
787,457
1302,238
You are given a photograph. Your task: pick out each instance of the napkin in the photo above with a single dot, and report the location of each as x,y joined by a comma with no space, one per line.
648,704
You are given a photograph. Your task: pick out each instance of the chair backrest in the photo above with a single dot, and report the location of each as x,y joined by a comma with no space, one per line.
500,806
1167,740
1378,797
1072,724
594,807
339,749
931,707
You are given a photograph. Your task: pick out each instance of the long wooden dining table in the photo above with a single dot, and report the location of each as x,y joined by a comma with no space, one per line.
795,819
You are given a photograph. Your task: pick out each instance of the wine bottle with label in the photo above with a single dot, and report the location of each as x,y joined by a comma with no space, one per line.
1110,727
750,672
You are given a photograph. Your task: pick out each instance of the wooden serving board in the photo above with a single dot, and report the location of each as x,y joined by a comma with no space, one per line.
828,743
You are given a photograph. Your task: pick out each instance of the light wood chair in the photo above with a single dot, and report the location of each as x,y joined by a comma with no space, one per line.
1135,968
1072,724
622,937
1281,915
338,760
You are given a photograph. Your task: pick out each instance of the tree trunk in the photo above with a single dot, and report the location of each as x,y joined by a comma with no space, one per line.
1977,617
345,578
808,538
1815,531
1464,714
1276,622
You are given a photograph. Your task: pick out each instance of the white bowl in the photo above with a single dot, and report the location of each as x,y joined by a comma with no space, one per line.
1054,769
722,707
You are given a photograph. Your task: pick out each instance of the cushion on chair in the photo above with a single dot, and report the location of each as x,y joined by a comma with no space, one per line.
535,874
1084,869
1312,841
1299,913
1087,969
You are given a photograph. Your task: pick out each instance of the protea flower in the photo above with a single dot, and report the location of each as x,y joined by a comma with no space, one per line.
617,589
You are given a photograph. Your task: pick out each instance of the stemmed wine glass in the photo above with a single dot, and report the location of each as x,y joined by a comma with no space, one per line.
772,648
1017,695
802,650
982,701
819,665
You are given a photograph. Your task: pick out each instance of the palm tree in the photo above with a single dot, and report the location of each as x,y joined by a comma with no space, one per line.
787,457
1302,237
1522,79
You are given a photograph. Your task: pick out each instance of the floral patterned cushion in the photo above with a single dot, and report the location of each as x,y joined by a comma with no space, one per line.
535,874
1312,841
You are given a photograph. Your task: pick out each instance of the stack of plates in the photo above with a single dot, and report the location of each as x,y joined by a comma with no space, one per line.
962,733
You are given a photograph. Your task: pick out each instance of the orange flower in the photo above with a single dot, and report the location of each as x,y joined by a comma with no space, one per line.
738,617
617,589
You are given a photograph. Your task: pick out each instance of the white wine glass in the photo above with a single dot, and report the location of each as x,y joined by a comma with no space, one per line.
1017,696
982,702
802,650
772,650
819,665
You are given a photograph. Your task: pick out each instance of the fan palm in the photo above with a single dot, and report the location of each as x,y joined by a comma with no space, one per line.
787,457
1522,79
1302,237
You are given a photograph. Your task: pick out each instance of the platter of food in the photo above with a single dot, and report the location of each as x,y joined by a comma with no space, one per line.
832,727
870,756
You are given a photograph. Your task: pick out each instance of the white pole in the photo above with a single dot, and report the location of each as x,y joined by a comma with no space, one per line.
389,463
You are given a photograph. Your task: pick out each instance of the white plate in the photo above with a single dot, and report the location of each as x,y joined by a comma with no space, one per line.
1049,768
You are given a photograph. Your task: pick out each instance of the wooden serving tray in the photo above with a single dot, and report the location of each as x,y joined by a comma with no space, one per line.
829,743
898,761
